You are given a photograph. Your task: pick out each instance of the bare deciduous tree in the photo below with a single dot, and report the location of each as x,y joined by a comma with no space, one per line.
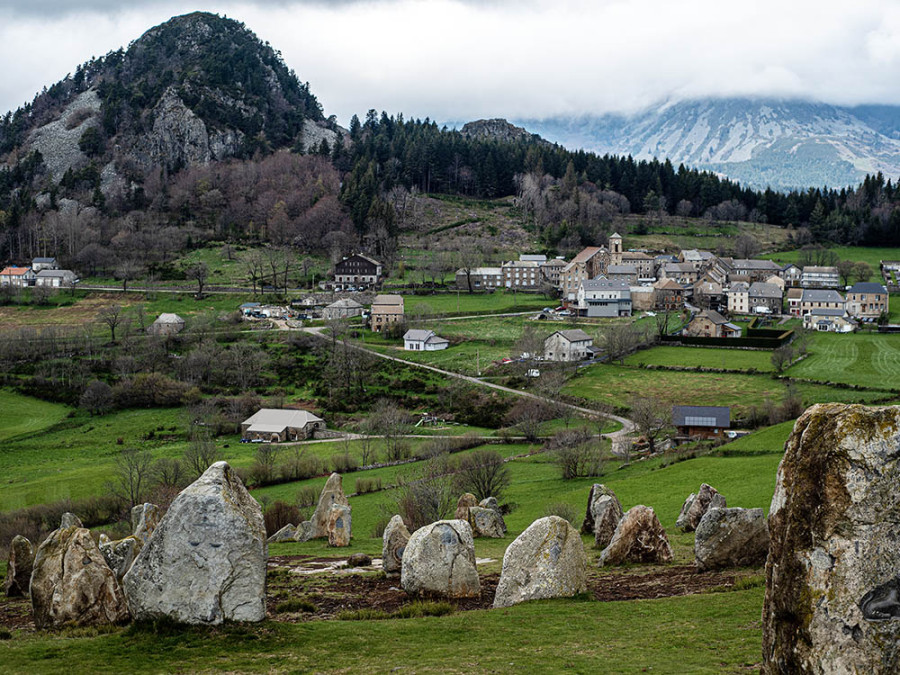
112,317
651,417
132,477
483,473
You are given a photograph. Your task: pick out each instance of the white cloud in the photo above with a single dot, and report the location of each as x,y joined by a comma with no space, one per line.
449,59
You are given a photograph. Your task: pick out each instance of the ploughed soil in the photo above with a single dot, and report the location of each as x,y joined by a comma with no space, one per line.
331,590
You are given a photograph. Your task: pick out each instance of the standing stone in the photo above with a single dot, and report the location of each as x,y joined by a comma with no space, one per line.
546,561
394,541
731,538
639,538
597,490
486,522
72,584
440,560
491,503
120,554
462,506
144,519
304,531
18,567
332,493
206,561
606,512
286,533
696,505
70,520
832,600
339,526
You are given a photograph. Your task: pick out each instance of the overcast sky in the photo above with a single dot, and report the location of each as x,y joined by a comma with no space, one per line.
463,59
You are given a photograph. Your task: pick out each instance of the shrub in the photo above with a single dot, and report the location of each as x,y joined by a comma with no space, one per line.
301,465
418,609
367,485
306,497
563,510
344,462
577,453
366,614
280,514
427,495
483,473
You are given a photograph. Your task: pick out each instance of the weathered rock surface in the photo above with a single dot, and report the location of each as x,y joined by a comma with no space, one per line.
72,584
606,512
597,490
144,519
18,567
731,538
486,522
69,520
394,541
332,493
286,533
120,554
359,560
696,505
546,561
465,502
832,592
206,561
639,538
492,504
339,526
304,531
57,141
440,560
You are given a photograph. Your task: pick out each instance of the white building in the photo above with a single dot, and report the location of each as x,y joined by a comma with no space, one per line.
604,298
568,345
416,340
738,296
54,278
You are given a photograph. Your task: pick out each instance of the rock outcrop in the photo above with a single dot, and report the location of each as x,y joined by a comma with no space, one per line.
206,561
731,538
639,538
71,584
18,567
440,560
696,505
606,512
463,505
832,592
394,541
339,526
486,522
546,561
332,493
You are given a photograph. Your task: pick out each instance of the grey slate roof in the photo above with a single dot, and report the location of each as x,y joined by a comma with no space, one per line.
712,416
827,312
574,335
813,295
761,289
417,334
867,287
600,283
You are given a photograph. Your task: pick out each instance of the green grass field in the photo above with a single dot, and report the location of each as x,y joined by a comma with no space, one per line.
475,303
694,357
866,359
21,416
871,255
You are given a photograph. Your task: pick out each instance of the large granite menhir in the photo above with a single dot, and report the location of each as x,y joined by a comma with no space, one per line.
832,590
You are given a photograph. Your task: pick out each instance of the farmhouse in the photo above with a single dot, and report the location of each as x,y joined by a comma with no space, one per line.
386,310
669,294
54,278
482,278
568,345
416,340
709,323
820,277
274,425
342,309
764,298
829,321
701,421
604,297
816,299
17,277
166,324
867,300
357,271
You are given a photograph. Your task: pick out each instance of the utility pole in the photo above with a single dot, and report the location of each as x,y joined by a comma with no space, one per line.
478,362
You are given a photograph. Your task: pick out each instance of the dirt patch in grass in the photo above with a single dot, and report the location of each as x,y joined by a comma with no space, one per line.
662,582
15,613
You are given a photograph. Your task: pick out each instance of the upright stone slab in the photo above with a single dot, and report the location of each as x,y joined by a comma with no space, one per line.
332,493
206,561
466,501
70,520
394,541
486,522
696,505
606,512
832,590
440,560
71,583
639,538
120,554
546,561
18,567
491,503
597,490
339,526
731,538
304,531
144,519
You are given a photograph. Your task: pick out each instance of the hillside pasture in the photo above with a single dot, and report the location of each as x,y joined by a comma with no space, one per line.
864,358
25,416
701,357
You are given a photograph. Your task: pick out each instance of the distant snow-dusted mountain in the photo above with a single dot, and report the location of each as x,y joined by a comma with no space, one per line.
782,144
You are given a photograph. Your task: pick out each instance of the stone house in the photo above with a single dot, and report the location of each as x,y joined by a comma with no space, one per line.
765,298
867,300
552,271
701,421
709,323
794,296
38,264
568,345
278,425
166,324
669,294
626,273
343,309
791,275
751,270
521,274
604,298
813,299
417,340
738,298
357,271
701,260
708,295
482,278
589,264
683,272
386,310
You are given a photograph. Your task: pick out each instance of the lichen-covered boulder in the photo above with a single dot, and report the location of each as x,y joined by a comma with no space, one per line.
70,520
731,538
639,538
144,519
71,584
486,522
120,554
332,494
606,512
206,560
286,533
492,504
696,505
465,502
546,561
832,600
597,490
304,531
18,567
440,560
394,541
339,526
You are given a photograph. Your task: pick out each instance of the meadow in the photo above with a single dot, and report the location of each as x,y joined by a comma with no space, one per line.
864,358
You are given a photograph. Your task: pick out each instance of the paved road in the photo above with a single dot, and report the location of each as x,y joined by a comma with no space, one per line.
627,429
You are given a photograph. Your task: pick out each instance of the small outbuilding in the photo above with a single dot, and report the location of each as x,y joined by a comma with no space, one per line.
701,421
166,324
417,340
343,309
275,425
